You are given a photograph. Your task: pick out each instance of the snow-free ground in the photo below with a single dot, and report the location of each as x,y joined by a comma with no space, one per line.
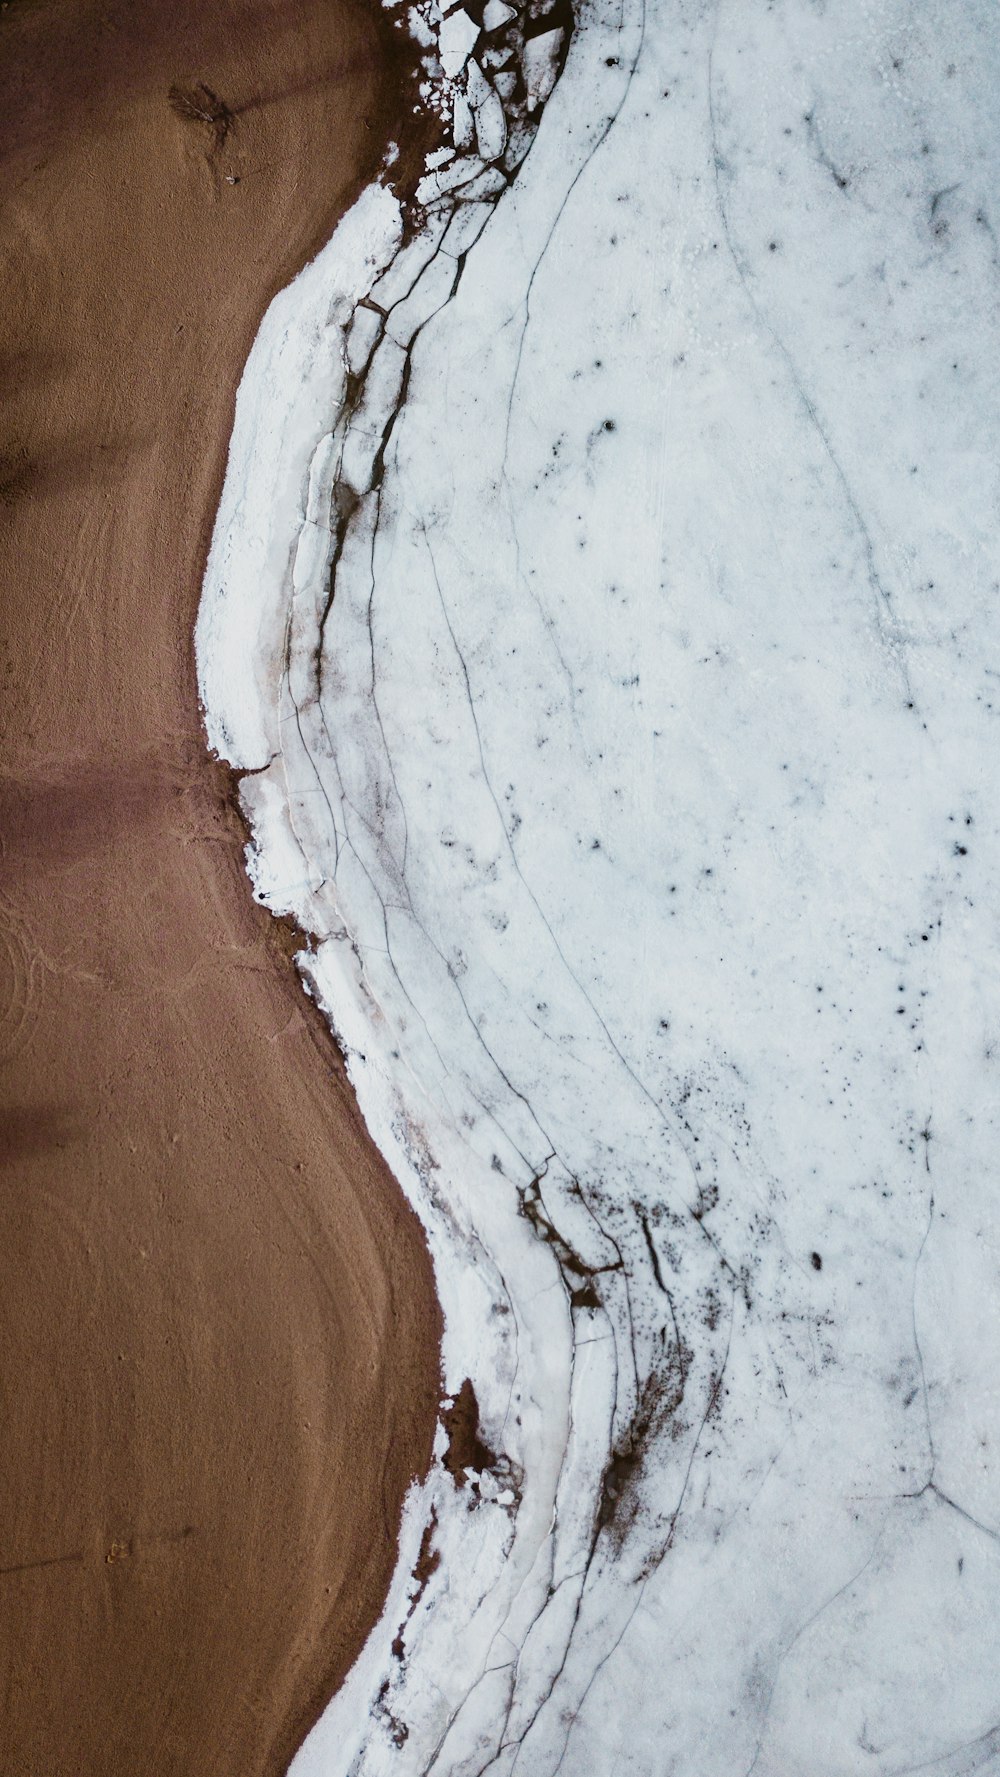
608,610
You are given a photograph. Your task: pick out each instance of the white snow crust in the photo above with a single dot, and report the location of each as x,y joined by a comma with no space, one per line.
605,598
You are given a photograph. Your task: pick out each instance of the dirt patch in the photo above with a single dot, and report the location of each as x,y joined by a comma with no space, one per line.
467,1453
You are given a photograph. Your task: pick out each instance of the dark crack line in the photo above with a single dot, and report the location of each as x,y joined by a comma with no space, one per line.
916,1339
945,1499
547,621
374,693
715,1392
352,507
804,1628
578,175
882,597
664,1120
521,1739
983,1747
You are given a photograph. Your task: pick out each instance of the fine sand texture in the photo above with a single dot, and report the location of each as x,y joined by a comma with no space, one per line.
218,1331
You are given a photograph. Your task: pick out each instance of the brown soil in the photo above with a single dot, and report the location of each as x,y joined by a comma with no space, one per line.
218,1333
466,1450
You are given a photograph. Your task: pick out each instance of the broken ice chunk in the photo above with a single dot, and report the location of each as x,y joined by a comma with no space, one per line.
466,226
491,128
365,329
495,14
456,42
430,293
463,128
439,158
505,84
402,272
435,185
491,125
490,183
476,85
540,62
520,135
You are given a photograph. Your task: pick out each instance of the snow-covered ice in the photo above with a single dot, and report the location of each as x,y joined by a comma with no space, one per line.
605,603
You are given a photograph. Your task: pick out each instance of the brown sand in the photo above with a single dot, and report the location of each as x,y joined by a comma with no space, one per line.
218,1335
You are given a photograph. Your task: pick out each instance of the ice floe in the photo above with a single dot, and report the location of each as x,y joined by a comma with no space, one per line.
604,601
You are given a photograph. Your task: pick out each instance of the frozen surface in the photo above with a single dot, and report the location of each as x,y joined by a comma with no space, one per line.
608,609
